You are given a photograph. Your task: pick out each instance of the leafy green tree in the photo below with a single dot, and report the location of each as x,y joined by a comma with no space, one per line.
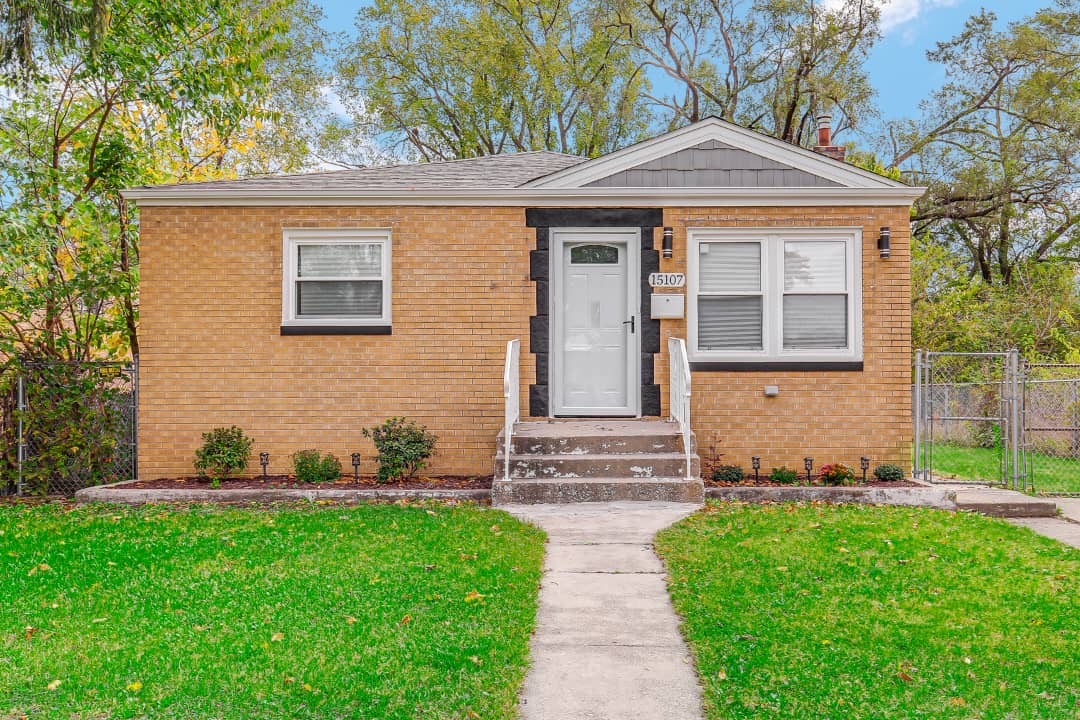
769,65
167,92
999,145
444,79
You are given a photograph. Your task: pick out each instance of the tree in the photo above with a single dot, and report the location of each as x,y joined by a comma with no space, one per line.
769,65
170,91
448,79
999,144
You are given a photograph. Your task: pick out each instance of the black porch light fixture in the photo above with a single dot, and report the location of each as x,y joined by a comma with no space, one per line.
264,460
755,462
668,242
356,466
884,244
864,463
808,463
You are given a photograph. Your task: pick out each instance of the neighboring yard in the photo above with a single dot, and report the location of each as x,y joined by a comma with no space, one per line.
1049,473
876,612
375,611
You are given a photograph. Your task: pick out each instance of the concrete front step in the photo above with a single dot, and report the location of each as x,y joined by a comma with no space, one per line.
574,466
594,437
596,489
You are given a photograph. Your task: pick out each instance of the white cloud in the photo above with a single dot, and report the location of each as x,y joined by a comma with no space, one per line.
895,13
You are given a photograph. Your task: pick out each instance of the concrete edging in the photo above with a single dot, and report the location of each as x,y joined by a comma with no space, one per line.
119,494
933,497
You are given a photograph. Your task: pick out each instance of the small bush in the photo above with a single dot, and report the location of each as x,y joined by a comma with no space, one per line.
890,473
836,474
783,474
310,467
727,473
404,448
223,452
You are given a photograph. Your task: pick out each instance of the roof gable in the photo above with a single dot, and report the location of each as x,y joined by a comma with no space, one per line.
713,164
713,153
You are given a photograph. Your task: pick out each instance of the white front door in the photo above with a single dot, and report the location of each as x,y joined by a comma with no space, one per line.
595,323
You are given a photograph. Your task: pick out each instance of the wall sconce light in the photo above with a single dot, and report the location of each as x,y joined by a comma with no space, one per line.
883,244
864,463
808,463
667,245
264,460
755,462
356,466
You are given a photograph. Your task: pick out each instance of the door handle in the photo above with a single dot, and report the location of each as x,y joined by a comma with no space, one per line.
630,322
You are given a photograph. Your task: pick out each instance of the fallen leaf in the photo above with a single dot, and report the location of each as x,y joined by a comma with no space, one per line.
967,660
721,675
55,684
473,596
134,686
99,620
277,637
406,620
350,620
957,702
475,660
289,679
782,568
202,628
905,677
30,631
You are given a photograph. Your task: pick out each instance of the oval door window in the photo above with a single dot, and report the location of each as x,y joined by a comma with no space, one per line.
594,255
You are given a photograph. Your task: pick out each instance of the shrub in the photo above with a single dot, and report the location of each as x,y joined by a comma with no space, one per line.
727,473
783,474
836,474
891,473
403,446
310,467
223,452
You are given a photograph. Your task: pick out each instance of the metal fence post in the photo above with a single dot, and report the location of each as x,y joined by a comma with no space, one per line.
21,405
917,470
1014,418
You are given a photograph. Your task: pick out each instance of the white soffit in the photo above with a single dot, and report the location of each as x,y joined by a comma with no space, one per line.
711,128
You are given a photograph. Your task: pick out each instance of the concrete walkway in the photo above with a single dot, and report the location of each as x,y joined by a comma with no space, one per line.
607,643
1065,529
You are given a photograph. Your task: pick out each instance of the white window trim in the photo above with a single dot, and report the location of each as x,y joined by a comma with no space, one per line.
772,291
294,237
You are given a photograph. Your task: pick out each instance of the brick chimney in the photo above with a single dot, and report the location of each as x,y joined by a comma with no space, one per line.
824,139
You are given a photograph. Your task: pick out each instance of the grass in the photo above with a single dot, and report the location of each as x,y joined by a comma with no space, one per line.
1048,474
869,612
375,611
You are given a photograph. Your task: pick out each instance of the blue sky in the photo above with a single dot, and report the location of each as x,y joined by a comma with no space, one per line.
898,65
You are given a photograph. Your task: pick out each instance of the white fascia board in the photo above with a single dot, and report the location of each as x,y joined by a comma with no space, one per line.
712,129
533,197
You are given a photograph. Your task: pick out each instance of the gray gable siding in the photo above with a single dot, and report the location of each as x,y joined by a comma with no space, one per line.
713,164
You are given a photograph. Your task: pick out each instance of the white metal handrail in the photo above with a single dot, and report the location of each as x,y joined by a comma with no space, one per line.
679,394
512,400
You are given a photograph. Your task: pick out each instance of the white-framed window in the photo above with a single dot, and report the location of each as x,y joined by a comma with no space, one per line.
774,294
336,277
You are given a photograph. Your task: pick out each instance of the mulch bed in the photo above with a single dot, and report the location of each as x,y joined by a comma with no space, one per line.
282,482
766,482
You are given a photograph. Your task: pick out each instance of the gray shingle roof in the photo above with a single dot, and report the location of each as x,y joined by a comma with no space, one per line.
492,171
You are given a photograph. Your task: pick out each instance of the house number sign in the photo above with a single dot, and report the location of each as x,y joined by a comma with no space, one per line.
667,280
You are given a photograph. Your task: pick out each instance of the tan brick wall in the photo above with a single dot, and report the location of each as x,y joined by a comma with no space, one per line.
834,416
212,353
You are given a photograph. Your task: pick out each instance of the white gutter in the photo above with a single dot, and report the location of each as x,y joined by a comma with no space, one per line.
527,197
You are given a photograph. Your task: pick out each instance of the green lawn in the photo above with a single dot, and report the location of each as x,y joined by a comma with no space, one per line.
375,611
1048,474
876,612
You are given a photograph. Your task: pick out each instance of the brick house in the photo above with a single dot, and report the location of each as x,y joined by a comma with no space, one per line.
303,308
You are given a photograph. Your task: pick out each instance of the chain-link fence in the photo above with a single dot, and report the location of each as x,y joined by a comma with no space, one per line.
1052,427
967,409
67,426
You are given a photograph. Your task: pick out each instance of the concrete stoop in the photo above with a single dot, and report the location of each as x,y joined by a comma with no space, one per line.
567,461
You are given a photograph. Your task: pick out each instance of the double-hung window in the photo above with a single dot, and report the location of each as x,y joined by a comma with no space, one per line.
774,295
336,278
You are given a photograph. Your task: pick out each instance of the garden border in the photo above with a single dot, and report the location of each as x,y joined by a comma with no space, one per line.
118,493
